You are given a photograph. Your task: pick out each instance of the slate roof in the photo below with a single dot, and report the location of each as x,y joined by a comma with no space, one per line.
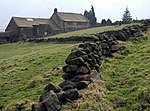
30,22
72,17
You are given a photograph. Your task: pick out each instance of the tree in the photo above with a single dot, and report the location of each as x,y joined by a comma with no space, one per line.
127,18
103,22
109,22
91,16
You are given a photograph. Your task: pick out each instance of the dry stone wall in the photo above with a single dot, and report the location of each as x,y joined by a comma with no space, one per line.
83,67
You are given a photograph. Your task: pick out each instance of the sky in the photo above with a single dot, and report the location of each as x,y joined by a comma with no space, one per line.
104,9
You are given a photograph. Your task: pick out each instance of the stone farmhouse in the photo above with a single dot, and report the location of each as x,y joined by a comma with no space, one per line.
23,28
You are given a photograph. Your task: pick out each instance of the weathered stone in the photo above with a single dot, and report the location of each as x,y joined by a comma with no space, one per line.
92,57
62,97
85,57
38,107
82,70
67,87
72,94
121,36
88,50
82,46
78,52
104,45
76,61
67,82
67,76
82,84
70,57
44,96
95,75
49,102
97,67
87,65
50,87
52,103
107,53
115,48
78,78
70,68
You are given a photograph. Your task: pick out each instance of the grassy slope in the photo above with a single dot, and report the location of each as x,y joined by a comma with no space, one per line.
127,77
90,31
125,85
23,66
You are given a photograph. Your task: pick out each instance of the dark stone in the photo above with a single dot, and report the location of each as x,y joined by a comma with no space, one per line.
52,103
85,57
49,102
82,46
62,97
92,57
67,76
72,94
87,65
76,61
67,82
82,78
78,52
120,36
70,68
82,84
82,70
70,57
67,87
87,50
97,67
38,107
50,87
104,45
44,96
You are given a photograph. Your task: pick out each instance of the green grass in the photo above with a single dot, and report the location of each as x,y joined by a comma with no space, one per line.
23,67
90,31
125,84
127,77
124,87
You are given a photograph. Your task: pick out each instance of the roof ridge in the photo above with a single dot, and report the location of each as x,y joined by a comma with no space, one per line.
31,18
70,13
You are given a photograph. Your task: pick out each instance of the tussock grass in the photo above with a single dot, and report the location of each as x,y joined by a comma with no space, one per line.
127,76
94,99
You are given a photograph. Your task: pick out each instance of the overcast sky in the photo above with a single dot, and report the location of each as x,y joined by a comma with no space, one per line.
112,9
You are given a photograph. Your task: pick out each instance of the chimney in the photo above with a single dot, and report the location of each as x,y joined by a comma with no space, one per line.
55,10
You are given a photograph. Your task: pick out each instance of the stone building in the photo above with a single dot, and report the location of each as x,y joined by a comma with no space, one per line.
21,28
70,21
32,27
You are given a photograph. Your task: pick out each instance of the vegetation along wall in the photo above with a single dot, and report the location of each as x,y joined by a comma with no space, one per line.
83,66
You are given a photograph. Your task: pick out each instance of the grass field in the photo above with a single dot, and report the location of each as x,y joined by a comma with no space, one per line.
125,84
91,31
23,67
